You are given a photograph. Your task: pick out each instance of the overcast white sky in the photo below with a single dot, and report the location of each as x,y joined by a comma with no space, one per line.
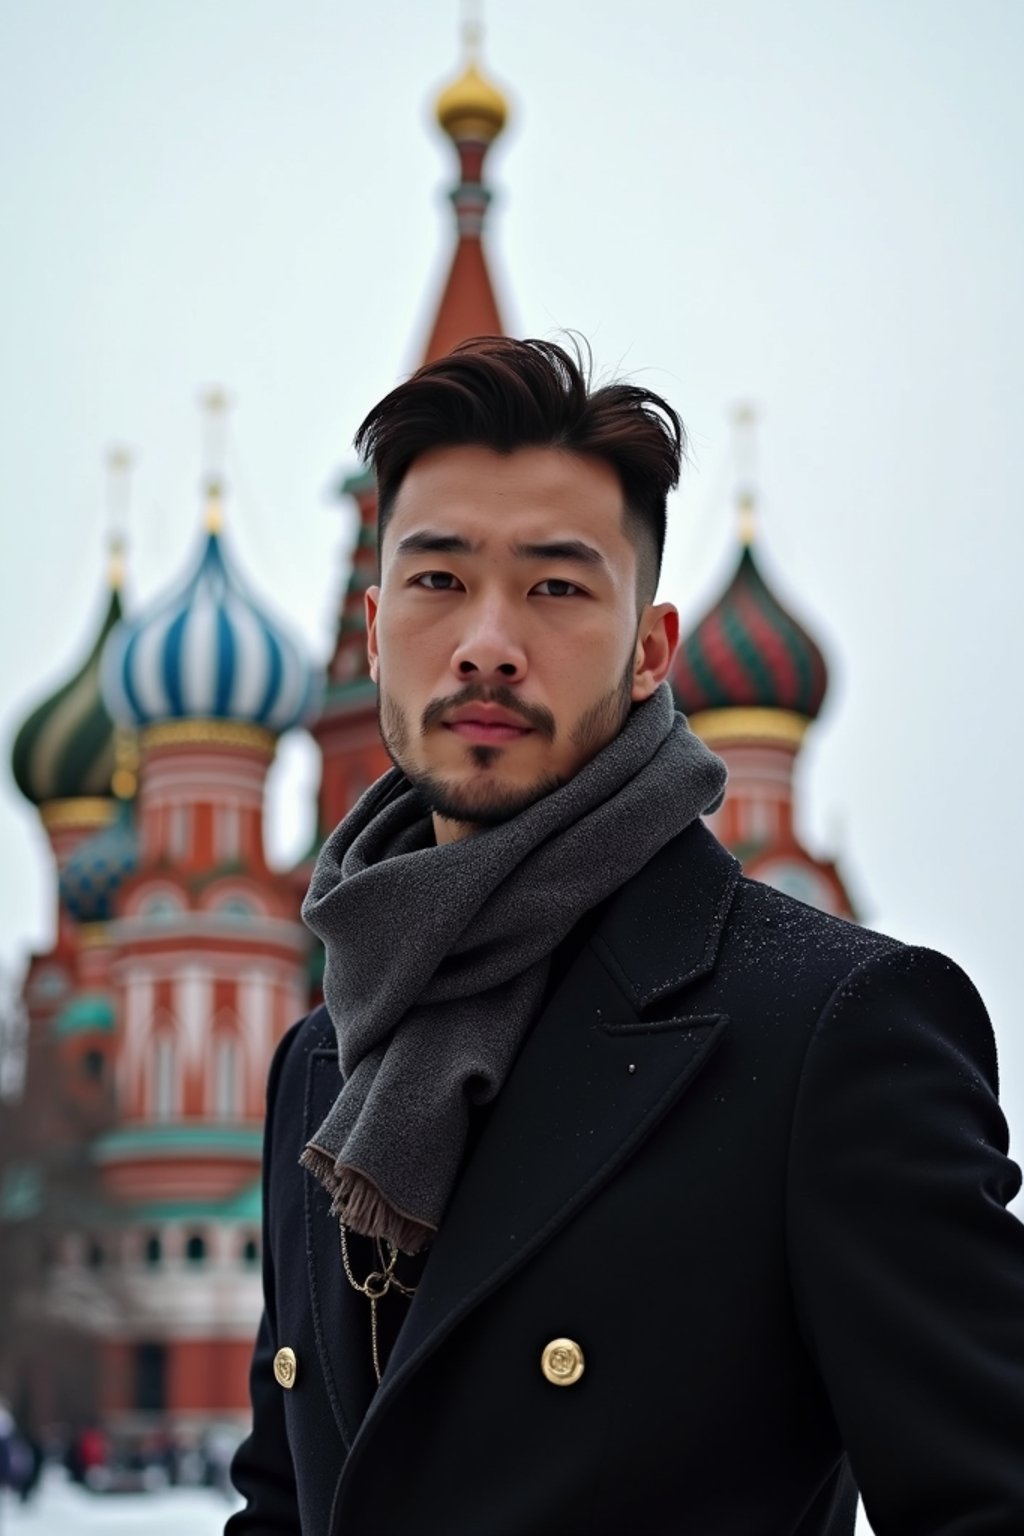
816,206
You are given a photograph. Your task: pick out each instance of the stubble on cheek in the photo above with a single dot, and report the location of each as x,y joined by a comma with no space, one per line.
394,725
604,719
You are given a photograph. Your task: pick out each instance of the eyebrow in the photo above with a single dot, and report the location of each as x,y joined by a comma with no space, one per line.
574,550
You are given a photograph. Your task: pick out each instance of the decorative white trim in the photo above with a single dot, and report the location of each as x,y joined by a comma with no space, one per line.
236,966
166,890
255,1008
226,1082
254,935
164,1075
179,830
759,819
138,1010
187,778
234,888
193,1003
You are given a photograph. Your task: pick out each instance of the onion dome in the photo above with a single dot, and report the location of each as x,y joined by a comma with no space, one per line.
98,867
471,107
748,652
208,651
65,749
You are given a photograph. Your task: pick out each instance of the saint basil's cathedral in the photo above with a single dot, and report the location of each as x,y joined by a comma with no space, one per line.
132,1156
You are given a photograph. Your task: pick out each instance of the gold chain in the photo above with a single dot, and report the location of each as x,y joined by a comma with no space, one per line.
376,1285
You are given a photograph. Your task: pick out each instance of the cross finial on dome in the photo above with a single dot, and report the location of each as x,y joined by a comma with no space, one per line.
215,405
472,25
472,29
119,468
115,562
744,422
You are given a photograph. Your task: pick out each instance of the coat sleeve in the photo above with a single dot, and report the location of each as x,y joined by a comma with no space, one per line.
262,1469
907,1268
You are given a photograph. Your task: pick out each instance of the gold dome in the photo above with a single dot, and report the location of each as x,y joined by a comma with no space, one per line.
471,107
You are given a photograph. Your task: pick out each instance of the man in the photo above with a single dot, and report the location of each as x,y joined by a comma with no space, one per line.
645,1199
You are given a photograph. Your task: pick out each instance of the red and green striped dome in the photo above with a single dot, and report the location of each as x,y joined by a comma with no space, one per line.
747,652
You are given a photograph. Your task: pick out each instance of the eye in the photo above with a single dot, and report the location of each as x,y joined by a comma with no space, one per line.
436,581
558,587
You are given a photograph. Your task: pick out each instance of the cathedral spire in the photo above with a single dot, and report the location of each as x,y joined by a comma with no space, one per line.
472,112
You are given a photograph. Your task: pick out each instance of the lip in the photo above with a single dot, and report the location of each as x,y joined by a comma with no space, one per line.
487,722
476,730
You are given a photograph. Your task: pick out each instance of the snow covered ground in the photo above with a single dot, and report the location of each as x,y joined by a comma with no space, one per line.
62,1509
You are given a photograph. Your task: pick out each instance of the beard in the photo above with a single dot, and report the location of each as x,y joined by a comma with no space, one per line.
487,802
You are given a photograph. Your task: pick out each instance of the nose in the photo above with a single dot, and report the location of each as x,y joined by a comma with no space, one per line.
488,649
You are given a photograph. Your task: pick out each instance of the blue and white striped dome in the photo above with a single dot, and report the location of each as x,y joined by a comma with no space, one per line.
208,652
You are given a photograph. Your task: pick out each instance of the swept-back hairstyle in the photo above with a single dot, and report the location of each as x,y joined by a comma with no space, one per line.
505,394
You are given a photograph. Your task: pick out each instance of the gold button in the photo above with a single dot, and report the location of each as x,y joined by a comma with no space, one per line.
285,1367
562,1362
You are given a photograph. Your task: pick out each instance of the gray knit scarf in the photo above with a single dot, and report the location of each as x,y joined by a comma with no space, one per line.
437,956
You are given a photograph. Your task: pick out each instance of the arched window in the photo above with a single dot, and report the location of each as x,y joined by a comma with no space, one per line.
92,1065
160,905
227,1082
164,1085
195,1248
250,1252
154,1250
94,1254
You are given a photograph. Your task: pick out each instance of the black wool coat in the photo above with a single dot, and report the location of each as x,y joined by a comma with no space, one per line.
750,1163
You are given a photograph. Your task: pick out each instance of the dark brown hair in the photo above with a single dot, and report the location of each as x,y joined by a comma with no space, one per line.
506,394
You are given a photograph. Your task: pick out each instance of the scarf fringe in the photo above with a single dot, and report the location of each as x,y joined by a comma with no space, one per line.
358,1202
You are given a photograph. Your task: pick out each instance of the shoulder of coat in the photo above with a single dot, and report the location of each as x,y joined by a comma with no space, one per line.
783,923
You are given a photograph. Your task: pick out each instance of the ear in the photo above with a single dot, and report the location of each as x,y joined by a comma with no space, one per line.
656,643
371,607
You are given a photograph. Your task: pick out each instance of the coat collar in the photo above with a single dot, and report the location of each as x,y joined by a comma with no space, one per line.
661,931
656,936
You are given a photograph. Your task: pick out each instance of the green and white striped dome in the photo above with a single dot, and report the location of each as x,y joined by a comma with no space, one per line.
65,749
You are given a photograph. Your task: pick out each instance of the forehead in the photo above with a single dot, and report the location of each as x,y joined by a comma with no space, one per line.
531,492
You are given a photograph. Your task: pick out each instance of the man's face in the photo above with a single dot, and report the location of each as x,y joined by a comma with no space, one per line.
504,636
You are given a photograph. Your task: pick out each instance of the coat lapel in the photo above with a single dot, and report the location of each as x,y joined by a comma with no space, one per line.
591,1081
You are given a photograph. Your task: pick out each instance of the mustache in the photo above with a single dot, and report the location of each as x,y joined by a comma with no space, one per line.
534,715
